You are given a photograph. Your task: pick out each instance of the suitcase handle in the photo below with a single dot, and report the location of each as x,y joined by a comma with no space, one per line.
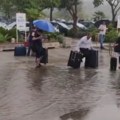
73,58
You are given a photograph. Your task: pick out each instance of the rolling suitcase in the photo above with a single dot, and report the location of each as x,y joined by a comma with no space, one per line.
75,59
44,56
20,51
113,63
91,60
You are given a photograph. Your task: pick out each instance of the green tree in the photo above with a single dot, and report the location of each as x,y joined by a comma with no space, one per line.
7,8
10,7
99,15
33,14
50,4
114,4
21,5
40,5
71,7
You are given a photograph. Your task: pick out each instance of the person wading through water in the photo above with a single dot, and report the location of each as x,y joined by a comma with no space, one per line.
37,39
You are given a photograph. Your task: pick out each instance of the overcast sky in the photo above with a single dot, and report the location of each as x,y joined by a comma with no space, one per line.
89,9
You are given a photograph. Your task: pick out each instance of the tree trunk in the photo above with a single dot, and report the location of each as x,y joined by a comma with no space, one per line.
75,24
7,15
74,21
113,18
113,14
51,13
30,26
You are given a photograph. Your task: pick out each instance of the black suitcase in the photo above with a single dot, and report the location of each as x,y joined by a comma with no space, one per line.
44,56
113,63
20,51
91,60
75,59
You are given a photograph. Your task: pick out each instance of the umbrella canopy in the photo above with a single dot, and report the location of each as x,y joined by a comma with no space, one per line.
44,25
99,22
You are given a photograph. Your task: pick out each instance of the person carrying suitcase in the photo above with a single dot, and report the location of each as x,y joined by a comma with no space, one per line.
84,45
37,38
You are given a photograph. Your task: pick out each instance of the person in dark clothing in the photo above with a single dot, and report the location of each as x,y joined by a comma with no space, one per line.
37,43
117,43
30,44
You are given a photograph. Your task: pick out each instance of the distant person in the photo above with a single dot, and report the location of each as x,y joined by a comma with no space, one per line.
102,31
117,45
29,39
84,45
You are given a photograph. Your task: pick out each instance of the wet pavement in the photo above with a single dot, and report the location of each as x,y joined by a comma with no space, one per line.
57,92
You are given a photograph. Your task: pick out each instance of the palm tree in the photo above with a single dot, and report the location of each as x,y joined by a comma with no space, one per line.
99,15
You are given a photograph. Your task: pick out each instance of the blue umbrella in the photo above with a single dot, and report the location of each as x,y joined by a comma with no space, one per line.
44,25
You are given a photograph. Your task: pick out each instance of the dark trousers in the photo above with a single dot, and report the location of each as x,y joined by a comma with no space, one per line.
85,52
38,50
119,59
29,49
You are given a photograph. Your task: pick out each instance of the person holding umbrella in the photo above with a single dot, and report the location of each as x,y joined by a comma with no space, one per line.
37,45
41,25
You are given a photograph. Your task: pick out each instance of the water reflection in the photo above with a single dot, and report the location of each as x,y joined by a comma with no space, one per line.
116,86
109,112
100,87
36,77
65,89
76,115
55,91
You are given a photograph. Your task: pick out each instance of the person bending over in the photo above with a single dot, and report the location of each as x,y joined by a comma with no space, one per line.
84,45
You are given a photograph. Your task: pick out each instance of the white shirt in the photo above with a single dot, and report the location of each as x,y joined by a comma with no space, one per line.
84,43
102,29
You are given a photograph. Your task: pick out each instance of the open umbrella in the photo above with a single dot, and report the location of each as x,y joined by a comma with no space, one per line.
44,25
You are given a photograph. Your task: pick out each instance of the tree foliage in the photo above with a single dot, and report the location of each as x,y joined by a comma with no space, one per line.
10,7
50,4
13,6
21,5
99,15
97,2
114,4
33,14
71,7
6,7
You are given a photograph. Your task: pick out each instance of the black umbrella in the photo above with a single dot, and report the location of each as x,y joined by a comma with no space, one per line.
98,23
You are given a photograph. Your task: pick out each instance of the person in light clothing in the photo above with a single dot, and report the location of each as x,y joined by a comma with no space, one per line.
84,45
102,28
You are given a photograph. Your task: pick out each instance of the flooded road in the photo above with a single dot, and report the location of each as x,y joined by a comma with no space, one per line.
57,92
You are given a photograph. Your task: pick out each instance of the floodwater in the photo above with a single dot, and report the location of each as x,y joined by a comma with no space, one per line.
57,92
